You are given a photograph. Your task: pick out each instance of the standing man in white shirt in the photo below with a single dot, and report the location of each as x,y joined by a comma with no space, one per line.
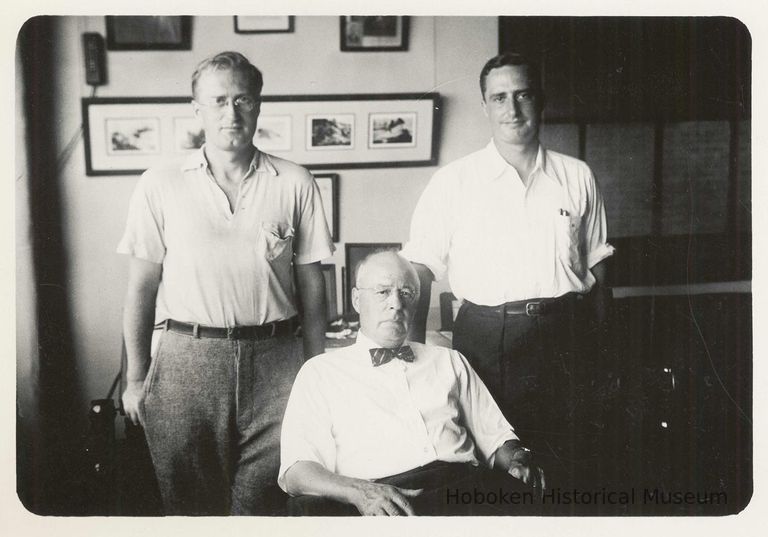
215,245
520,231
362,414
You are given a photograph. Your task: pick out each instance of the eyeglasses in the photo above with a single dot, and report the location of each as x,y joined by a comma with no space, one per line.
382,294
246,103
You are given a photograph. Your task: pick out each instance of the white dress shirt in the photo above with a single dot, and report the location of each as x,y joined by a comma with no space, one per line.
222,267
501,241
370,422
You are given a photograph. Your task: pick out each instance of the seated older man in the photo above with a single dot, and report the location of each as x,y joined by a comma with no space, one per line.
391,429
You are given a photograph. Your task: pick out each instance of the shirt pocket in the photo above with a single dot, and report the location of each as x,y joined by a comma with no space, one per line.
277,240
567,228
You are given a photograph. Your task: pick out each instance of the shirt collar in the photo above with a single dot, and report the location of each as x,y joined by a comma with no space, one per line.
260,163
493,165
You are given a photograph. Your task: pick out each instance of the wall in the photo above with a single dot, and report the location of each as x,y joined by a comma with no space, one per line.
445,55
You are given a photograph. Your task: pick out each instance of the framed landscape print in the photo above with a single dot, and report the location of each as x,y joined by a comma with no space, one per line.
374,33
149,32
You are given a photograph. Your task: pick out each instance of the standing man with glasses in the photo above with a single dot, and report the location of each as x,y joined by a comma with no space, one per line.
216,246
520,231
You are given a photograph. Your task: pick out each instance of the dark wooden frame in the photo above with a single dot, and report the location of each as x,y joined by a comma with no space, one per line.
354,252
332,304
362,105
334,222
89,102
401,46
287,30
185,43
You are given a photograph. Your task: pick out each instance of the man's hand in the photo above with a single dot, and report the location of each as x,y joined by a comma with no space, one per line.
518,462
383,500
133,399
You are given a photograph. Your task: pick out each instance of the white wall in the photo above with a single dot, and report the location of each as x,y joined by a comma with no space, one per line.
445,55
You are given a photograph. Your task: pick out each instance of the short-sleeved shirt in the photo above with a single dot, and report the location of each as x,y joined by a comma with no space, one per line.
500,240
224,267
370,422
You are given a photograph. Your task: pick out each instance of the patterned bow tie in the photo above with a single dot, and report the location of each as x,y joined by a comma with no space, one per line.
382,356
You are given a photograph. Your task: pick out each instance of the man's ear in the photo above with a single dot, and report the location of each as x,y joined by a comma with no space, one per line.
356,299
485,107
196,108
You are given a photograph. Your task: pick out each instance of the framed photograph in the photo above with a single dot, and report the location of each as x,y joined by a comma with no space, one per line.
328,183
330,131
329,275
354,252
125,136
273,133
353,131
374,33
149,32
188,134
389,130
263,25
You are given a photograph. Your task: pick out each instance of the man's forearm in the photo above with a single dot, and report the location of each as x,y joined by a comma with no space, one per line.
310,478
312,294
139,316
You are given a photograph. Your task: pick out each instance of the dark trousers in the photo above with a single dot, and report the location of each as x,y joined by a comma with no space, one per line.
450,489
543,371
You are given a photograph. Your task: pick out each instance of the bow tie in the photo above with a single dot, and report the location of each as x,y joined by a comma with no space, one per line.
382,356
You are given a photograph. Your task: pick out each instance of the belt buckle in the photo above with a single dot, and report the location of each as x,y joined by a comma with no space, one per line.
532,308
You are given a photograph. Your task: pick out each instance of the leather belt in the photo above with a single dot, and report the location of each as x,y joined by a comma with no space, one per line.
541,306
534,307
264,331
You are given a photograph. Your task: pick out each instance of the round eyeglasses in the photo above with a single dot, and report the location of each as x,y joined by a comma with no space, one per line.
246,103
382,294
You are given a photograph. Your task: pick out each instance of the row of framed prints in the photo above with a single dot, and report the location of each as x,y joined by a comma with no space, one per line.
127,135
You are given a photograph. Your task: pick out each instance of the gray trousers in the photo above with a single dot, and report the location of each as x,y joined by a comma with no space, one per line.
212,417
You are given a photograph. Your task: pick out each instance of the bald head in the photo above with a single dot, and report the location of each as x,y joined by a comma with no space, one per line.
385,295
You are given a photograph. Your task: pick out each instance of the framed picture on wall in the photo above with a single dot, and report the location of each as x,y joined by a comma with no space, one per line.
125,136
263,25
374,33
149,32
351,131
354,252
328,183
329,277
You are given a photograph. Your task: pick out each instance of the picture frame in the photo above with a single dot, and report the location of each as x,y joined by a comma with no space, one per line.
149,131
263,24
328,183
329,278
127,135
336,131
354,252
126,32
374,33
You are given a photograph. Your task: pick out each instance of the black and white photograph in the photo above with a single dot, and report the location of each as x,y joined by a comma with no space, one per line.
331,131
392,130
136,135
529,302
188,133
148,32
273,133
374,33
